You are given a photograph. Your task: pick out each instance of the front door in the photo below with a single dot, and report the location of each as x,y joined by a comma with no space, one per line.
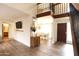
61,32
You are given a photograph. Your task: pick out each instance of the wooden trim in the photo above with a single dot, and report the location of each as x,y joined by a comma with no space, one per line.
61,15
74,20
39,3
75,45
52,7
2,32
74,40
55,16
44,14
57,4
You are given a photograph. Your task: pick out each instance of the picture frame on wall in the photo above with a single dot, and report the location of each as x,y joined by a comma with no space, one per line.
19,26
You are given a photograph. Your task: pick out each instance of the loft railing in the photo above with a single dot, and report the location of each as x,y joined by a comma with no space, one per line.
61,8
43,7
57,9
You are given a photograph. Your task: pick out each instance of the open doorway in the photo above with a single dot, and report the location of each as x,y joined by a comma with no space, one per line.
5,30
44,29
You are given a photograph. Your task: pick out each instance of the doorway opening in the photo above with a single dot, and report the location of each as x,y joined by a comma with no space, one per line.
5,31
44,30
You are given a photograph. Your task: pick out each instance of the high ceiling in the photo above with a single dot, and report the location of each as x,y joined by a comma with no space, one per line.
22,6
76,5
15,10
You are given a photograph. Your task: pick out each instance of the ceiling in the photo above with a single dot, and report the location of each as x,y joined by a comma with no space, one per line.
15,10
76,5
22,6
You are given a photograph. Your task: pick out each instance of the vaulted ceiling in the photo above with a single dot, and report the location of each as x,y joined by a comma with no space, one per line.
16,10
24,7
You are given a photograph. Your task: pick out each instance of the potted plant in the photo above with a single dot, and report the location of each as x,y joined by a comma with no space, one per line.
33,28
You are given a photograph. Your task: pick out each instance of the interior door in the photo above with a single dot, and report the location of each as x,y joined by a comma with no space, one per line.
61,32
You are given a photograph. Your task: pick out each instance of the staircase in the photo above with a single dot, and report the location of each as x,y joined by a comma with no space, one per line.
75,28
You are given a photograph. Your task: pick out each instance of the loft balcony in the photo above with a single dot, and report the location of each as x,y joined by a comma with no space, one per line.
57,10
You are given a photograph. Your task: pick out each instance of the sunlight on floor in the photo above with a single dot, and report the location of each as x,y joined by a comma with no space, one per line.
68,50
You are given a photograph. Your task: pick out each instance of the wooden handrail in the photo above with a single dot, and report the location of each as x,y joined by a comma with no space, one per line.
74,25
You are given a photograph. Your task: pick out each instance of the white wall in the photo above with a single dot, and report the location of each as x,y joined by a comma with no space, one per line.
60,20
27,11
54,29
45,24
24,35
27,8
69,36
21,36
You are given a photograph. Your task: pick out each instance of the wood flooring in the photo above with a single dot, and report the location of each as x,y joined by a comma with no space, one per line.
14,48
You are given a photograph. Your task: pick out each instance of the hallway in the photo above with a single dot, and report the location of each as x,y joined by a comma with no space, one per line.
14,48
